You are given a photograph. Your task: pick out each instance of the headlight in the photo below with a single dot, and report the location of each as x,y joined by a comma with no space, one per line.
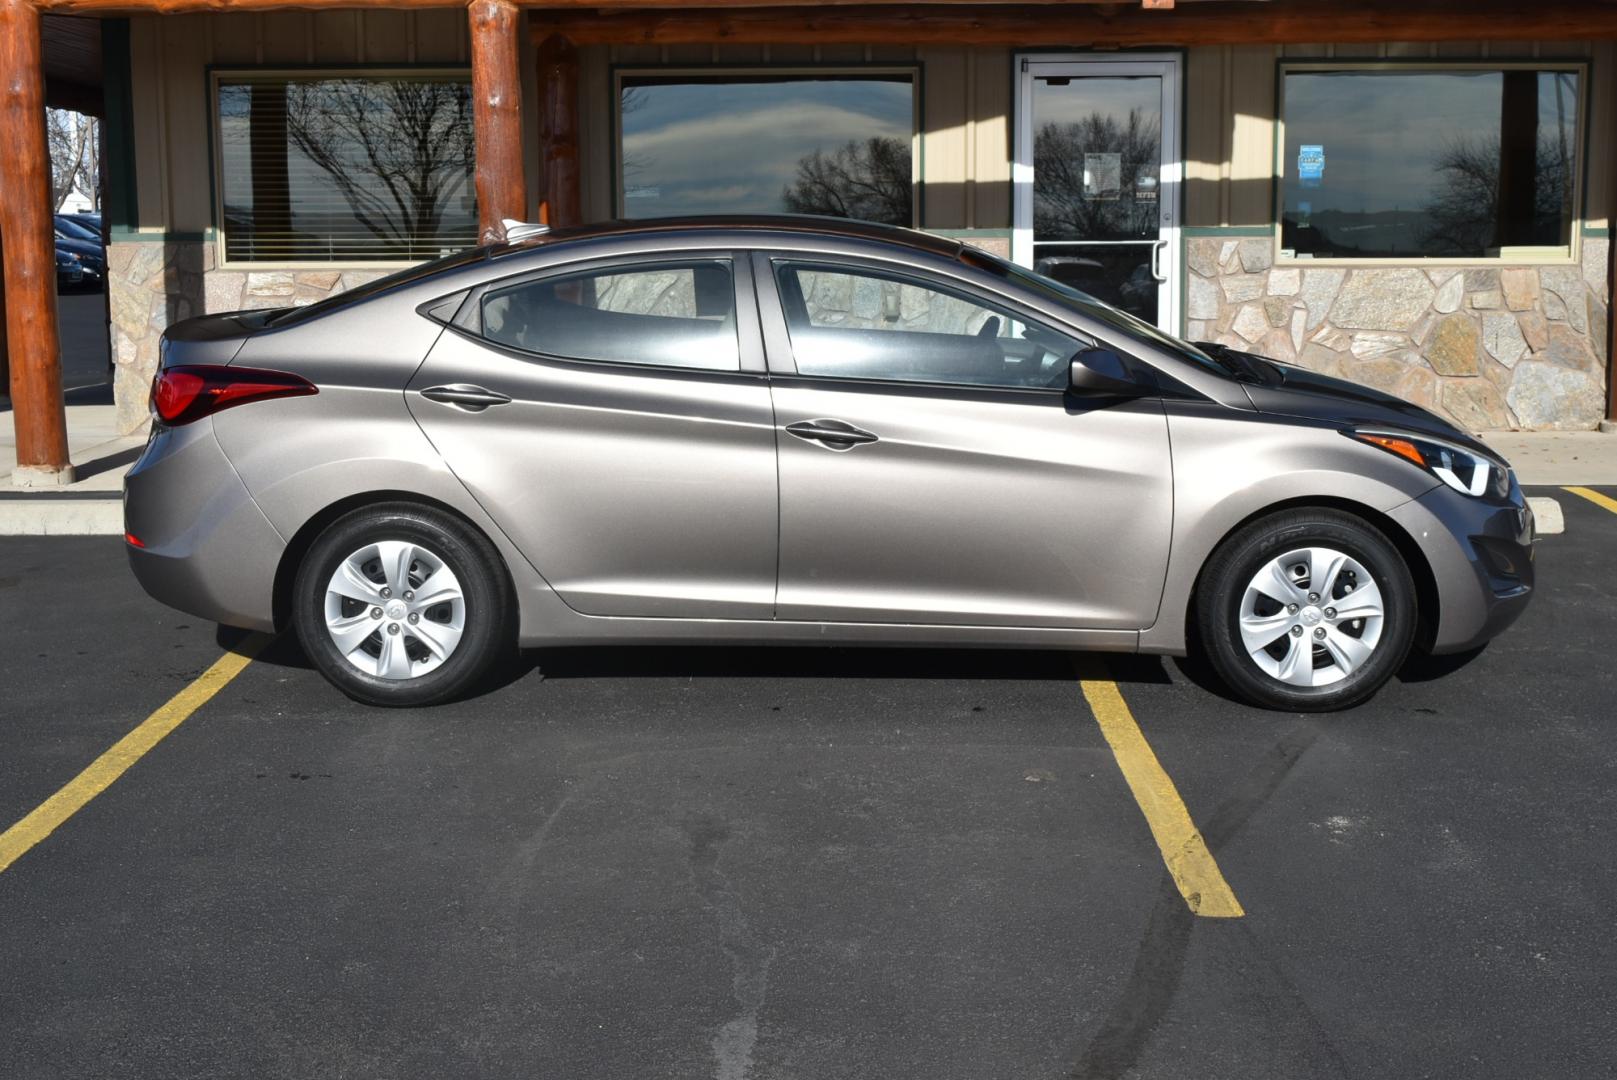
1465,471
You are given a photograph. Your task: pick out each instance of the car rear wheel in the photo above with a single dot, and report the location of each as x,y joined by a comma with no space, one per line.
401,605
1307,611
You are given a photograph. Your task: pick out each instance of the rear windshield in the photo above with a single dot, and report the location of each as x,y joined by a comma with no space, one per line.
398,280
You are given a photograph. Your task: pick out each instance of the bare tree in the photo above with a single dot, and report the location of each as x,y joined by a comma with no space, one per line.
1463,215
75,154
398,151
1063,208
633,99
871,181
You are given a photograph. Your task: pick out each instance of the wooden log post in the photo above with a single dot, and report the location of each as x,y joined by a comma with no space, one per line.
30,255
559,202
502,189
5,366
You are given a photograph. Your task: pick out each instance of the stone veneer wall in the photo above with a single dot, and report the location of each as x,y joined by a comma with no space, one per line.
1495,347
153,284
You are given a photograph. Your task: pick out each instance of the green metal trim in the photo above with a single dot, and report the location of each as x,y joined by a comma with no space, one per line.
122,197
121,234
1596,231
1227,230
975,234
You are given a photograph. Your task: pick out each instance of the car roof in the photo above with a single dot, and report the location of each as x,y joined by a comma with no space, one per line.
748,227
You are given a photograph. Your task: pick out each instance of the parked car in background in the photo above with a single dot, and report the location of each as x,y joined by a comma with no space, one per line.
736,431
69,270
83,242
91,222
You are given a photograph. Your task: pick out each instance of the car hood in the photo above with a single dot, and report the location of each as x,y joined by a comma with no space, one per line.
1297,391
78,247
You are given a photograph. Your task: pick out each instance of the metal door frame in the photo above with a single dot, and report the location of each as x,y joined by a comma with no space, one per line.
1167,67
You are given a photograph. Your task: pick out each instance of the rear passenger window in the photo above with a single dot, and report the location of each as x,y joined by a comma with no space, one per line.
859,324
668,314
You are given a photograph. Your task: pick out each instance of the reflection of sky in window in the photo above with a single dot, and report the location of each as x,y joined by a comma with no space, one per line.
732,147
1083,97
1384,133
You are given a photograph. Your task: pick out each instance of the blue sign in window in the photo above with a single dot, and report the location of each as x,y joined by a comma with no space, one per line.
1311,165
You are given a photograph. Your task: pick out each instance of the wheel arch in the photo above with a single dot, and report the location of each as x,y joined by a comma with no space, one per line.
1428,603
286,571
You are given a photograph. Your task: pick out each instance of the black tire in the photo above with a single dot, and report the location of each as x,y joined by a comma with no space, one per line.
1232,567
487,633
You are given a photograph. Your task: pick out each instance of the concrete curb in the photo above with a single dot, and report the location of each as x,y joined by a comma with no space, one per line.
60,515
1547,517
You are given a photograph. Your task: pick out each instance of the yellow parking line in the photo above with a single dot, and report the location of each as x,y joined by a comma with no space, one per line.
100,773
1595,497
1183,850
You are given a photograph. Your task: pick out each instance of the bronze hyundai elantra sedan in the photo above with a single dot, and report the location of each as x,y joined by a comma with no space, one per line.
790,430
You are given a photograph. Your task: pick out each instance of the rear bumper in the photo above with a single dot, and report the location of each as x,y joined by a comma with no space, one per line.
205,547
1481,557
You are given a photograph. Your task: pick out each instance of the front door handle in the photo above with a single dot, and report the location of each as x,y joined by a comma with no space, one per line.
832,434
465,396
1156,261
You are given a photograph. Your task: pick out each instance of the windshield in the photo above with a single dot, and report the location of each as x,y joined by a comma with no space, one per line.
1091,308
74,231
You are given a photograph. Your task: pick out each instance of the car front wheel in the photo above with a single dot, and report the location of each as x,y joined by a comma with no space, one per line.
401,605
1307,610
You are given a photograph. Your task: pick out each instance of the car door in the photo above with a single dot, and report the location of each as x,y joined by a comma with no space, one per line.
933,468
614,418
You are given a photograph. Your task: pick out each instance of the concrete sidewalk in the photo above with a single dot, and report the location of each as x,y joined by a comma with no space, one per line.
1558,457
101,456
93,503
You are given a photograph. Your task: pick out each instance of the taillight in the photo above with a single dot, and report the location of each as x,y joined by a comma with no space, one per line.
190,392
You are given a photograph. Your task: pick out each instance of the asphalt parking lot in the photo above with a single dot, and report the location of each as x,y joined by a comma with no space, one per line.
800,863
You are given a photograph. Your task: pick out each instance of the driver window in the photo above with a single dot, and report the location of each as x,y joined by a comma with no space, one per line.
861,324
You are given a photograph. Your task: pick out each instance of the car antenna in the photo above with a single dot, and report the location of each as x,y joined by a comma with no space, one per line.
523,230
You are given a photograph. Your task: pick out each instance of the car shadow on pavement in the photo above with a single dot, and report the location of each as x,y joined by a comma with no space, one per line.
834,662
1422,667
771,662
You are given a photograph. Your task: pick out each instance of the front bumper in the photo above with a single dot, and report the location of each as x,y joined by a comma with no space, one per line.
1481,556
204,545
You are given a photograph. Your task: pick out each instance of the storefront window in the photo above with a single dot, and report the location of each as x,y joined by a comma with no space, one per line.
1464,162
802,143
345,167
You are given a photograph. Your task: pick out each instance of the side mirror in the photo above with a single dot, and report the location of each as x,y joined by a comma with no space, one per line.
1100,372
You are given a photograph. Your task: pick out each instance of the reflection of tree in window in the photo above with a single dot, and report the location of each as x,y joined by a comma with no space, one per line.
869,180
1062,209
398,151
630,101
1510,190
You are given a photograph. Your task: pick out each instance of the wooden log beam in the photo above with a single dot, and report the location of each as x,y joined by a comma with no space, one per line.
168,7
502,188
1218,22
559,199
30,256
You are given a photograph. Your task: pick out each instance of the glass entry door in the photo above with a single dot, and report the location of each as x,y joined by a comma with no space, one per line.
1097,179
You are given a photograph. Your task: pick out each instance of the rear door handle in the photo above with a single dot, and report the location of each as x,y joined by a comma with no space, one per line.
465,396
833,434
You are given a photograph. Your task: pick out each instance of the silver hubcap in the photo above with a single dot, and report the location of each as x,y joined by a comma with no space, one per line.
395,610
1311,617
